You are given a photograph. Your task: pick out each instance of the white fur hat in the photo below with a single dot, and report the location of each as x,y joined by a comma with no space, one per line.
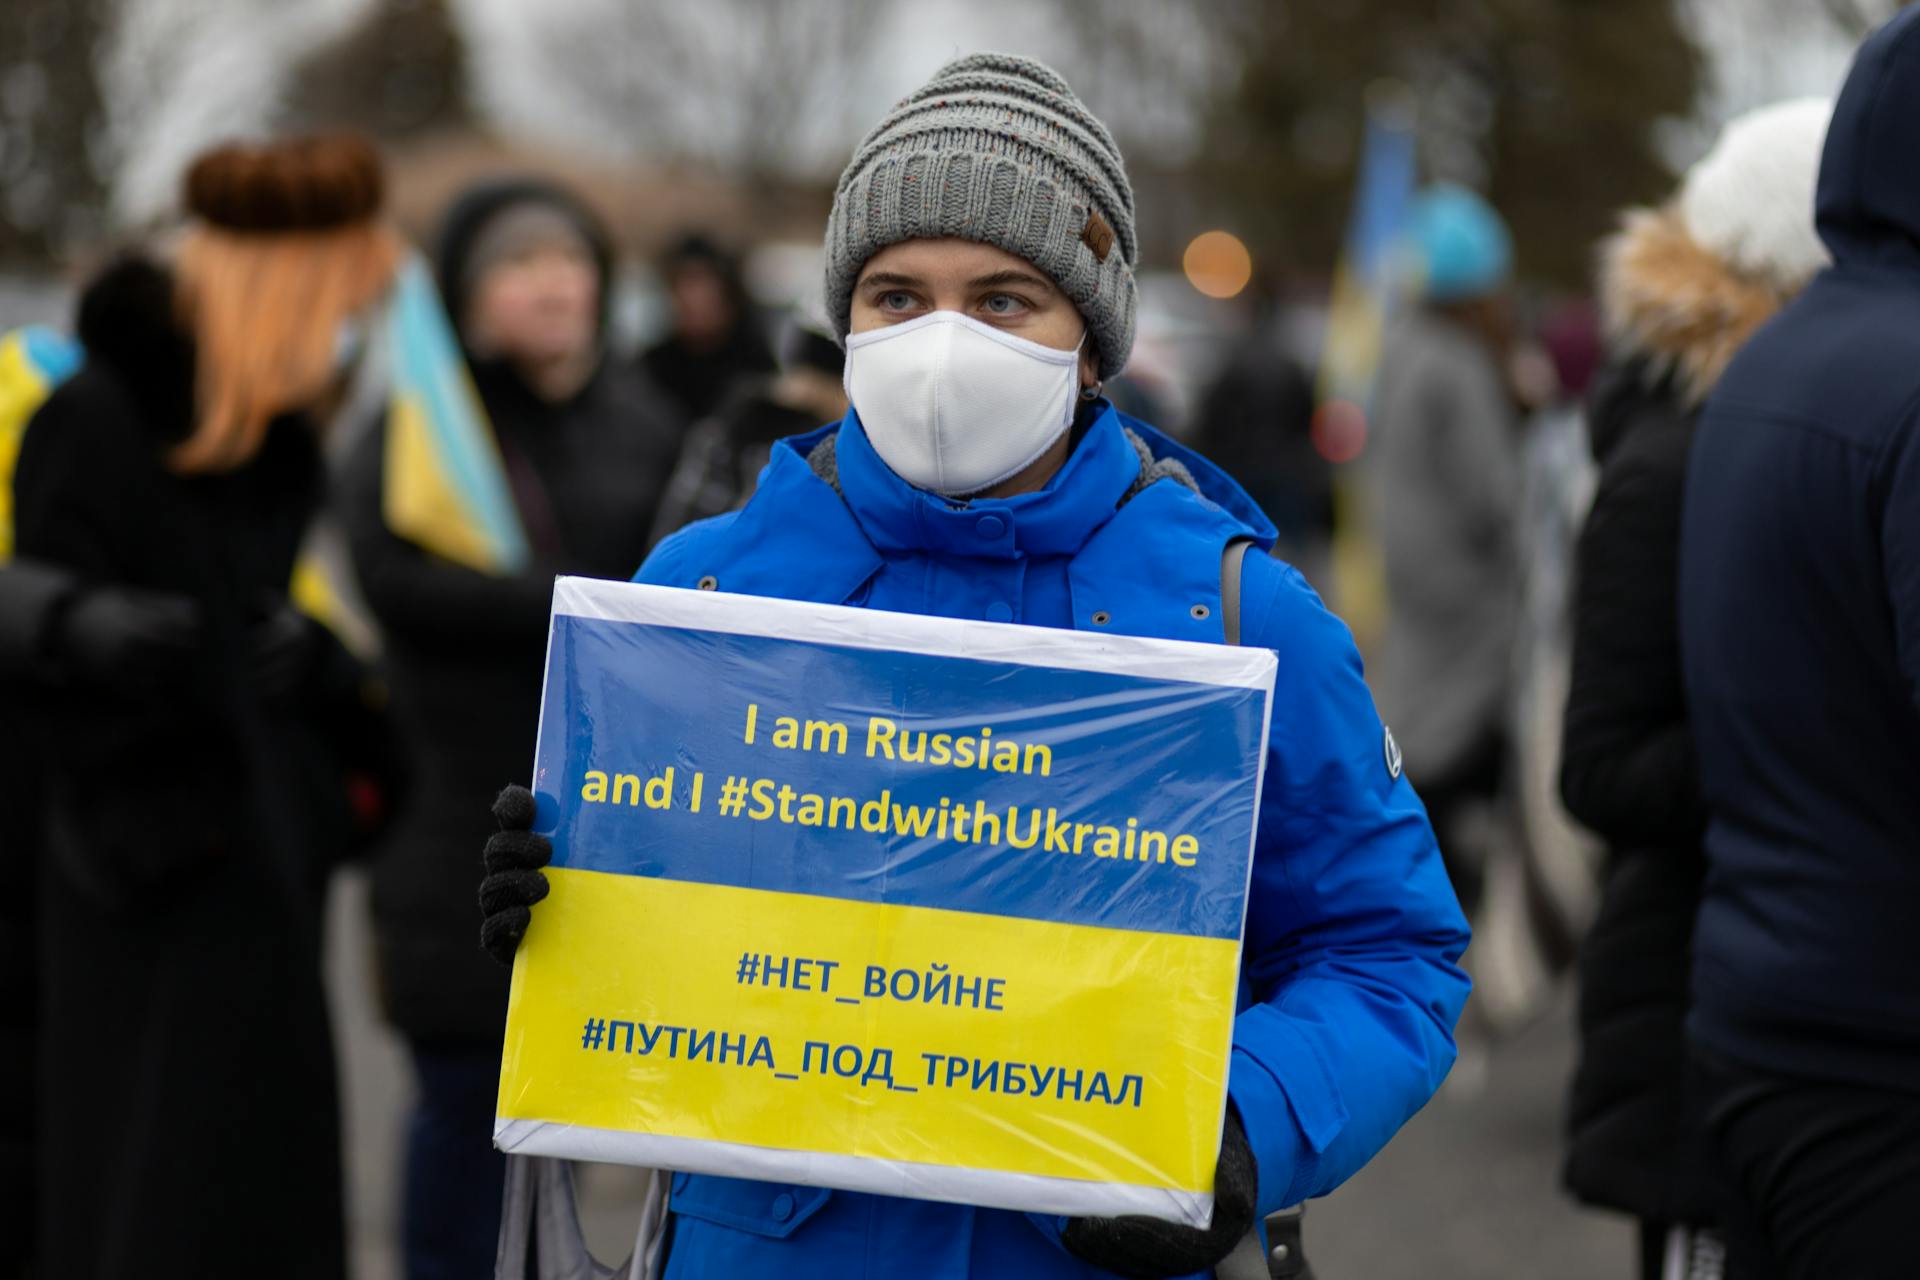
1749,201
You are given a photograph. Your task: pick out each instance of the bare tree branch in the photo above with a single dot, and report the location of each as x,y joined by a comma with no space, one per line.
726,83
1858,17
51,178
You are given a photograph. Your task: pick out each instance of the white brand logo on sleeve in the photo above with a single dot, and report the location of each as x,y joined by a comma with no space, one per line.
1392,750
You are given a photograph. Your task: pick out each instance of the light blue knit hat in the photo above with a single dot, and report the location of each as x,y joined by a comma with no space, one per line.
1463,246
995,148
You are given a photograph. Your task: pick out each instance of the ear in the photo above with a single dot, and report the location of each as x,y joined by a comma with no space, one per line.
1089,366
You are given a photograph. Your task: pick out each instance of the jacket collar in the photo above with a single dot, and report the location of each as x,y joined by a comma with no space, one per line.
1056,520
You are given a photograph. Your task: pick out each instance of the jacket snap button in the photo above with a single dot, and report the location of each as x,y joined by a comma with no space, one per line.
782,1207
999,611
1201,612
1102,618
709,583
990,526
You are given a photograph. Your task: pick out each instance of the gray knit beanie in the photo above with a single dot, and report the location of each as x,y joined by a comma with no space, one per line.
995,148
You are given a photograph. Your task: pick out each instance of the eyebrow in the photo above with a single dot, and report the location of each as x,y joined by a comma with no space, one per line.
1010,276
993,280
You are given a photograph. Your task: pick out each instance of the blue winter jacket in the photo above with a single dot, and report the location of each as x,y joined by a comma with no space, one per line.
1349,981
1800,629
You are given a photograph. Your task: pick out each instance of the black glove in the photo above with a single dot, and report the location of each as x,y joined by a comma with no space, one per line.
127,639
1145,1248
514,857
282,649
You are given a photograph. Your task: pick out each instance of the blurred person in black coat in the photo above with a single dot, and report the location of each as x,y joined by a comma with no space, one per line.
198,734
715,343
720,460
524,270
1683,288
1256,420
25,592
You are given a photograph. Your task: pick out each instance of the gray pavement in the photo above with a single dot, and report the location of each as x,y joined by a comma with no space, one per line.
1467,1191
374,1085
1470,1188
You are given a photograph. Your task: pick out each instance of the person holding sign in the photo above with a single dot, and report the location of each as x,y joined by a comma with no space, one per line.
980,259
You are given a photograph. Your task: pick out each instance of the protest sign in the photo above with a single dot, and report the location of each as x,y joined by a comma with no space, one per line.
910,905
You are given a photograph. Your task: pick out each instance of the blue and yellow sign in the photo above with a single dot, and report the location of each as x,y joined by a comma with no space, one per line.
910,905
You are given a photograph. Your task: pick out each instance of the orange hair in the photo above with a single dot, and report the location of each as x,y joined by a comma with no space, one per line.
264,311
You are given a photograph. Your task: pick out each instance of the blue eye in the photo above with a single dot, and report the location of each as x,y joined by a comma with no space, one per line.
1003,304
896,300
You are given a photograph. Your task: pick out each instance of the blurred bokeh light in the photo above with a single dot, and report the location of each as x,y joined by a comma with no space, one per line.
1218,264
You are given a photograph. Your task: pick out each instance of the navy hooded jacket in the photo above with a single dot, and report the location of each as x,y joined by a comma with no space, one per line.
1800,630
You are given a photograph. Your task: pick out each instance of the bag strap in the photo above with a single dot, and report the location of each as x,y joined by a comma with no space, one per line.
540,1235
1250,1260
1231,561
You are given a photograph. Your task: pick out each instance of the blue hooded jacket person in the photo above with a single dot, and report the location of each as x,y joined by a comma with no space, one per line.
1800,641
1349,984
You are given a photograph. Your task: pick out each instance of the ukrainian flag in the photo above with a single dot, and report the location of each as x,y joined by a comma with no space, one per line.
445,488
33,361
1364,282
1365,289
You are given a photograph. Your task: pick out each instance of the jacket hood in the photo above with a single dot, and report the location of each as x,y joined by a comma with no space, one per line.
1163,457
470,213
1867,205
1673,309
128,323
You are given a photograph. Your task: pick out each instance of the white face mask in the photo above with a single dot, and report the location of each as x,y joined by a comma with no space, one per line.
955,406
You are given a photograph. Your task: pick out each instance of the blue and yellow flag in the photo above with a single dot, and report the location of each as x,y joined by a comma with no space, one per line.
1364,282
1365,288
33,361
445,489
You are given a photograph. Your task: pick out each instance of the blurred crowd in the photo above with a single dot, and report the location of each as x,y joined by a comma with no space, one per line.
1637,578
164,619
